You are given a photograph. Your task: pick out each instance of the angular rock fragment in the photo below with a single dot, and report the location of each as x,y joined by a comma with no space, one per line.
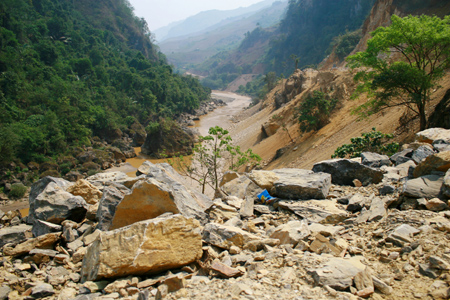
291,232
446,184
344,171
224,236
90,193
428,186
421,153
14,234
42,242
264,179
437,162
319,211
41,227
374,160
337,273
224,270
149,246
305,187
432,134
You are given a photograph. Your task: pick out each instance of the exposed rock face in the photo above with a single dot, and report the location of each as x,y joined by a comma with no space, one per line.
345,171
159,193
172,142
270,128
151,246
55,205
138,134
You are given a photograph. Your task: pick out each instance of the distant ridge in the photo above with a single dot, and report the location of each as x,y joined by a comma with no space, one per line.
206,19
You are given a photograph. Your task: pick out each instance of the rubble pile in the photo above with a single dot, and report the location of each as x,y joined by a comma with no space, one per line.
374,227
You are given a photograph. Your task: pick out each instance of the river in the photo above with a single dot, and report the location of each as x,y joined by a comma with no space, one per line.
221,116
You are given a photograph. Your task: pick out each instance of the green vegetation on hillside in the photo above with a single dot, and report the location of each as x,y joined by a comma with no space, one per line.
422,49
70,70
308,30
373,141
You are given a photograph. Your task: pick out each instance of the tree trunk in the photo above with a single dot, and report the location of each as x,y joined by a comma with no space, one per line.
423,119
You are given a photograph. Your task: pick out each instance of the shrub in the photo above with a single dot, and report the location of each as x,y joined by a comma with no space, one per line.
18,190
314,112
373,141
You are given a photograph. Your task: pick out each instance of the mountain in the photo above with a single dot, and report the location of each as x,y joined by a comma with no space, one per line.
223,36
206,19
76,73
304,37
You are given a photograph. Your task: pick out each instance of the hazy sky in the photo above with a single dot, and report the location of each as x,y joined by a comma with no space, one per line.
159,13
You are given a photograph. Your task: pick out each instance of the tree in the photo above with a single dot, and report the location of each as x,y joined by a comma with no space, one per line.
212,156
404,63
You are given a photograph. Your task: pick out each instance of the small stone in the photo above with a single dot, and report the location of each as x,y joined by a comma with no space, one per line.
436,204
429,271
439,263
163,291
357,183
42,290
381,286
224,270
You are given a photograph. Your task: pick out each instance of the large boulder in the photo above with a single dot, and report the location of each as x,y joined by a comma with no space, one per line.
428,186
432,134
345,171
241,187
306,186
437,162
108,204
145,247
54,204
161,191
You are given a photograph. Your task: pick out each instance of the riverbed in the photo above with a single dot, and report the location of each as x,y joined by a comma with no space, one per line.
222,117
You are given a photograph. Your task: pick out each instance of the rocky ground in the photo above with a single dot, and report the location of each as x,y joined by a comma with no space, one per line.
375,227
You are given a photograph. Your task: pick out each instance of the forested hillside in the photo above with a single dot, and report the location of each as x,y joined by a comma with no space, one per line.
310,30
71,70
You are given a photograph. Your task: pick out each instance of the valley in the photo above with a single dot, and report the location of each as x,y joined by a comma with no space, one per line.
325,187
